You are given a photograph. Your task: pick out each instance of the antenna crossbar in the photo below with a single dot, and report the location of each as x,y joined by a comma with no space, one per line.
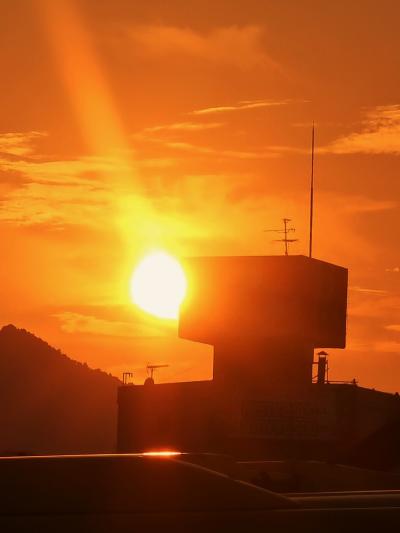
150,369
286,230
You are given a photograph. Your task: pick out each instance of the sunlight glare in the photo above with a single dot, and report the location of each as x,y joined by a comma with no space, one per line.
163,453
158,285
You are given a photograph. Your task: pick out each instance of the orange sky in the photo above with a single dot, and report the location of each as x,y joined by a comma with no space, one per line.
130,126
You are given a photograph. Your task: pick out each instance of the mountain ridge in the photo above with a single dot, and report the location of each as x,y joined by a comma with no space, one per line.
50,403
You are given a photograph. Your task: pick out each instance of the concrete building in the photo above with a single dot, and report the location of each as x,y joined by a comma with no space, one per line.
264,316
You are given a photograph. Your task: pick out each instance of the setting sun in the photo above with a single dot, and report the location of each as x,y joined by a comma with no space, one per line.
158,285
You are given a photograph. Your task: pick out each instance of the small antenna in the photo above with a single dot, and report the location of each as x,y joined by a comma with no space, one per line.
150,369
127,377
312,191
285,231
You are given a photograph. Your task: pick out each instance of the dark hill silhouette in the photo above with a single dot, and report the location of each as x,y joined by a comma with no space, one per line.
50,403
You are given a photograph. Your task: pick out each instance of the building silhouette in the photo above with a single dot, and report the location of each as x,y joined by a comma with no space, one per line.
264,316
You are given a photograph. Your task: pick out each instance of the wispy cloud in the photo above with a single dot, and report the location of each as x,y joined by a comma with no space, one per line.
393,327
79,323
184,126
206,150
362,204
39,190
375,303
387,346
57,192
238,46
241,106
375,345
367,290
379,134
19,143
57,205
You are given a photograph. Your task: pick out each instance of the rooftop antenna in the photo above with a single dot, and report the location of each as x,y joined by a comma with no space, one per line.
312,191
127,377
286,232
150,371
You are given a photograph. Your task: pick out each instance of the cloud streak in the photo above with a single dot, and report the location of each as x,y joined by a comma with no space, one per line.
380,134
72,322
393,327
237,46
366,290
184,126
241,106
206,150
19,143
362,204
58,192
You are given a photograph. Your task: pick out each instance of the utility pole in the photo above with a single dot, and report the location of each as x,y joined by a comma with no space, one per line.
286,230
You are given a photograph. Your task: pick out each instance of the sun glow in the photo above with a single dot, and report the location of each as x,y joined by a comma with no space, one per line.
163,453
158,285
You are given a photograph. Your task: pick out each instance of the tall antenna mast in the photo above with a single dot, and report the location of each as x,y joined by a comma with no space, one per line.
312,191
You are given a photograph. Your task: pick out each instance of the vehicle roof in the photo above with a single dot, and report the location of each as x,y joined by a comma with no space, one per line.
124,483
